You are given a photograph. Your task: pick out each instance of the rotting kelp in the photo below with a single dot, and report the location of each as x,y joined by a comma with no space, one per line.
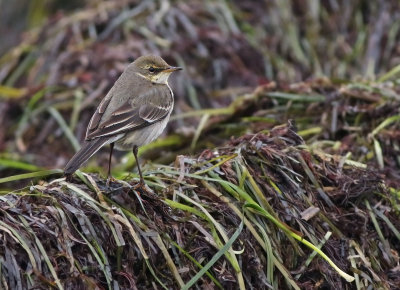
243,215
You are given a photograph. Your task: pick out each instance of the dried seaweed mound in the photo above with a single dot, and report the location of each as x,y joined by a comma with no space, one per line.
242,216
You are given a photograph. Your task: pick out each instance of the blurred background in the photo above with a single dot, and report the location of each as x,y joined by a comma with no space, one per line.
59,58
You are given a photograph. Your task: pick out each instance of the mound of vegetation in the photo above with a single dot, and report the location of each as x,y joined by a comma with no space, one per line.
263,211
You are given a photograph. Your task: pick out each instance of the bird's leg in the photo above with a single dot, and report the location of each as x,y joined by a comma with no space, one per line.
109,176
139,188
135,152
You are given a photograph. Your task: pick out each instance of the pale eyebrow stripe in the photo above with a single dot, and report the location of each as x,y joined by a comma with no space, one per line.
140,75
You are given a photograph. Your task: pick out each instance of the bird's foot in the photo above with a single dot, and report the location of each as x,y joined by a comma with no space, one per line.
140,187
109,180
68,177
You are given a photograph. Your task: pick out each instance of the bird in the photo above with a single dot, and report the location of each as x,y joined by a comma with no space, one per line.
133,113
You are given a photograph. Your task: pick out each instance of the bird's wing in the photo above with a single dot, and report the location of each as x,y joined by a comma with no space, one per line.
127,117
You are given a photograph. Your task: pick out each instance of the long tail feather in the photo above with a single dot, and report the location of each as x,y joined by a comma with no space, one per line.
87,150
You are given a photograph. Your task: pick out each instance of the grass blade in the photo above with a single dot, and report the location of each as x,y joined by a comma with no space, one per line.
37,174
215,258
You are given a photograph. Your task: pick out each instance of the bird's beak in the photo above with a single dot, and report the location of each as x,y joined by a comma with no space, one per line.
172,69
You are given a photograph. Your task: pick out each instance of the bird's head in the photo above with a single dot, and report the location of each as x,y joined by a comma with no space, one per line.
153,68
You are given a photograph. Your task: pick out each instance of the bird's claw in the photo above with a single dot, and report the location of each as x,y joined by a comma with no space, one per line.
109,180
140,187
68,178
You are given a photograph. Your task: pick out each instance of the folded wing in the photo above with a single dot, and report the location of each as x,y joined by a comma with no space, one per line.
127,118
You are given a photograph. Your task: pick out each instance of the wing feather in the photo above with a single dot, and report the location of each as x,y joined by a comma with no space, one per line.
94,121
129,116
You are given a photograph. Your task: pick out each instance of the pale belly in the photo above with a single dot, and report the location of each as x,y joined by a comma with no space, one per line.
142,136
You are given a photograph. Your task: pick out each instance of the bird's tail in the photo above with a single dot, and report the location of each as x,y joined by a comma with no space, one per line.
87,150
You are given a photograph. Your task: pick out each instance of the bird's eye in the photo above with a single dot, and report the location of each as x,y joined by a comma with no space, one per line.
151,69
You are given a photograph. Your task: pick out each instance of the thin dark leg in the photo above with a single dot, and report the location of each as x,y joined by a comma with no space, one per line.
135,151
109,177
